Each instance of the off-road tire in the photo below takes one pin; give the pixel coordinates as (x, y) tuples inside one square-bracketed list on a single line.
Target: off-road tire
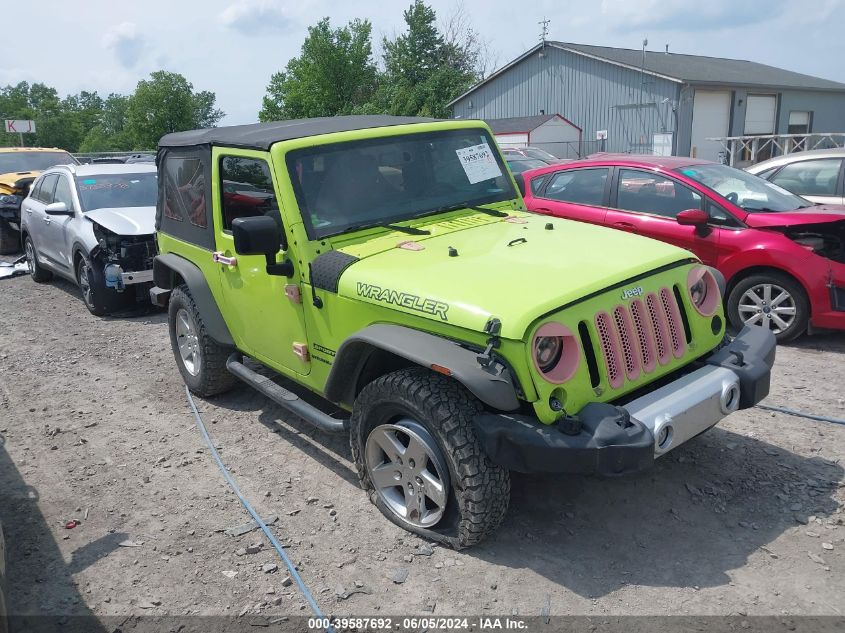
[(480, 489), (802, 305), (10, 240), (39, 275), (213, 377)]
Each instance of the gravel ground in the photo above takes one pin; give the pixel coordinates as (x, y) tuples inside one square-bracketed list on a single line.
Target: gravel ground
[(94, 426)]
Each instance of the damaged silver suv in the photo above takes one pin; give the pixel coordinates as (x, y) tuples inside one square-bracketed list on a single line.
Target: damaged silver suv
[(94, 225)]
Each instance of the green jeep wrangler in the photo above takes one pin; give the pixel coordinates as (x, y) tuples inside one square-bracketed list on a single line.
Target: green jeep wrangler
[(387, 266)]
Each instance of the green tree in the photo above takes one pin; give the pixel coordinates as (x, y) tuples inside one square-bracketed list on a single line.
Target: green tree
[(334, 74), (424, 68), (167, 103)]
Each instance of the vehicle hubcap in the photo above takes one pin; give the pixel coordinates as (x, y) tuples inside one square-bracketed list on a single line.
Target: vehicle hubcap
[(768, 305), (188, 342), (85, 282), (408, 472)]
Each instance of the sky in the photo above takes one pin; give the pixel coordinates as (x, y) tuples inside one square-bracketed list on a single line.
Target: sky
[(232, 47)]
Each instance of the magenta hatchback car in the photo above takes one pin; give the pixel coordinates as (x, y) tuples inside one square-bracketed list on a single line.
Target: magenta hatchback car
[(783, 257)]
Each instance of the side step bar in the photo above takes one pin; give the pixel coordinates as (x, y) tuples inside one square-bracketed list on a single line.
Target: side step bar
[(285, 398)]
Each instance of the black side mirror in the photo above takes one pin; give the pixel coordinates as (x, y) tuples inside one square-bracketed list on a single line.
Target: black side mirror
[(261, 235)]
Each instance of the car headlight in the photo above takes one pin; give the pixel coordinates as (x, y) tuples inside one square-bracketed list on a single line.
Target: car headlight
[(7, 200), (703, 290), (555, 352)]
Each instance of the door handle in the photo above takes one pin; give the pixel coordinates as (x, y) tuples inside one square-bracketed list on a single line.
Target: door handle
[(29, 211), (47, 220), (219, 258), (625, 226)]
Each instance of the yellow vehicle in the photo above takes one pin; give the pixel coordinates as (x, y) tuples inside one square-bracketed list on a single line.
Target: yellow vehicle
[(19, 167)]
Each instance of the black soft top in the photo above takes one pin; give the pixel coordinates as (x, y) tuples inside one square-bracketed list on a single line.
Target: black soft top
[(262, 135)]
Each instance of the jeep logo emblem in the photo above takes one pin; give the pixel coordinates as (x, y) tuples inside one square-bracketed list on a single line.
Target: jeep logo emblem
[(632, 292)]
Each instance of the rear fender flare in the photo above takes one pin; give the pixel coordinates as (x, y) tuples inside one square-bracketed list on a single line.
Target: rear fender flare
[(169, 268)]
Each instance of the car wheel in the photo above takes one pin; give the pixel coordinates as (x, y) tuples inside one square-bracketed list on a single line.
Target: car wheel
[(92, 286), (201, 359), (418, 458), (37, 273), (10, 240), (771, 300)]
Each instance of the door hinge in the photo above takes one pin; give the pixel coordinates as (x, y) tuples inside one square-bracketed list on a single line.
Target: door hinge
[(301, 350), (293, 293)]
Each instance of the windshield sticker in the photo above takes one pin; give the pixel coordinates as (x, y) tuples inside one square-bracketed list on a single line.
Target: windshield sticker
[(404, 300), (479, 163), (90, 181)]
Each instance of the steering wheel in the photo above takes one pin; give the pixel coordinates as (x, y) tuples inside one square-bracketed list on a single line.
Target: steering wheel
[(732, 197)]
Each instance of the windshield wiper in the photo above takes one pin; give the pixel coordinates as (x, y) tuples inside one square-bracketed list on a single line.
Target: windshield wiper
[(462, 205), (410, 230)]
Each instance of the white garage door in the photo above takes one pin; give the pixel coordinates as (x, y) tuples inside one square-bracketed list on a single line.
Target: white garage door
[(760, 114), (711, 116)]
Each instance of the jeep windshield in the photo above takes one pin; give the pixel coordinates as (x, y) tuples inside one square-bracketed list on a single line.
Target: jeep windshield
[(750, 192), (33, 161), (347, 186)]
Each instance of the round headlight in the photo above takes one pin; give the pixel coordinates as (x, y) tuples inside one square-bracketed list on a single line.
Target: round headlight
[(547, 352), (703, 290), (555, 352)]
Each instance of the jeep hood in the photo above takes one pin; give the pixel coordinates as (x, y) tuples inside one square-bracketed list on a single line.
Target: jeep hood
[(128, 221), (515, 271)]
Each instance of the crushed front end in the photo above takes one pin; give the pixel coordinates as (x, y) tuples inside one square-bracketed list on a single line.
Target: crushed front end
[(127, 261)]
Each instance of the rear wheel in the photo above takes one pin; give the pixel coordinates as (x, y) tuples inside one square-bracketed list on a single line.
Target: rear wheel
[(771, 300), (414, 445), (201, 359), (37, 273)]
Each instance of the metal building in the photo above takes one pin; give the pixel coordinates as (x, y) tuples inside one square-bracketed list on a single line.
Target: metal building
[(655, 102), (550, 132)]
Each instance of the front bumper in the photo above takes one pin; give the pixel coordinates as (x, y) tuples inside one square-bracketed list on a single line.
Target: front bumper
[(612, 440)]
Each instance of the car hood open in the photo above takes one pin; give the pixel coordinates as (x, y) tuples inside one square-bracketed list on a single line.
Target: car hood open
[(515, 270), (817, 214), (127, 221)]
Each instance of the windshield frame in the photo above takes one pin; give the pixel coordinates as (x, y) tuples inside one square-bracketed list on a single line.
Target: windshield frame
[(765, 185), (292, 155), (23, 154)]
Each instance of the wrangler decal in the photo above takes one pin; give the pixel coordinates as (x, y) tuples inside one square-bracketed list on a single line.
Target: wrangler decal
[(403, 299)]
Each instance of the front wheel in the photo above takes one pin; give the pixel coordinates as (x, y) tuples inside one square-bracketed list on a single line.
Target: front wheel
[(417, 456), (771, 300)]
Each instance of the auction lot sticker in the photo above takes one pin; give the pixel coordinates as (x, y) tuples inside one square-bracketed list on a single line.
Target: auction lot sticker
[(478, 163)]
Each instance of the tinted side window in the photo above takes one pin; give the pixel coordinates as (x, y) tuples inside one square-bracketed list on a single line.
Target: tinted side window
[(45, 192), (184, 199), (246, 189), (646, 192), (63, 192), (810, 177), (581, 186), (721, 217), (35, 191)]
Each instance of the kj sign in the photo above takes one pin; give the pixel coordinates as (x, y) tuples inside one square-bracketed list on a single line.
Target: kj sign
[(20, 126)]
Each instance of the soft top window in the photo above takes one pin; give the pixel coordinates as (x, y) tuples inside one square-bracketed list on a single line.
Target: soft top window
[(184, 195), (347, 186)]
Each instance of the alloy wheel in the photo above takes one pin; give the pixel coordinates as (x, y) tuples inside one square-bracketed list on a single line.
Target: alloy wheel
[(29, 251), (768, 305), (188, 342), (84, 279), (408, 472)]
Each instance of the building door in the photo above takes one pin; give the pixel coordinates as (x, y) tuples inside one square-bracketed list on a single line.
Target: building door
[(711, 117)]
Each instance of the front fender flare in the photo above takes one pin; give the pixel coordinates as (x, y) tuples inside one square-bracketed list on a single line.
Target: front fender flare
[(165, 269), (494, 387)]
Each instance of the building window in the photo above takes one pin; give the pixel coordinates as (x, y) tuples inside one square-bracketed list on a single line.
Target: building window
[(799, 122)]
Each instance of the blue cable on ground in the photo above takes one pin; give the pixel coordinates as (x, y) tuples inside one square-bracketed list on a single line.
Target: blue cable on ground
[(293, 573), (809, 416)]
